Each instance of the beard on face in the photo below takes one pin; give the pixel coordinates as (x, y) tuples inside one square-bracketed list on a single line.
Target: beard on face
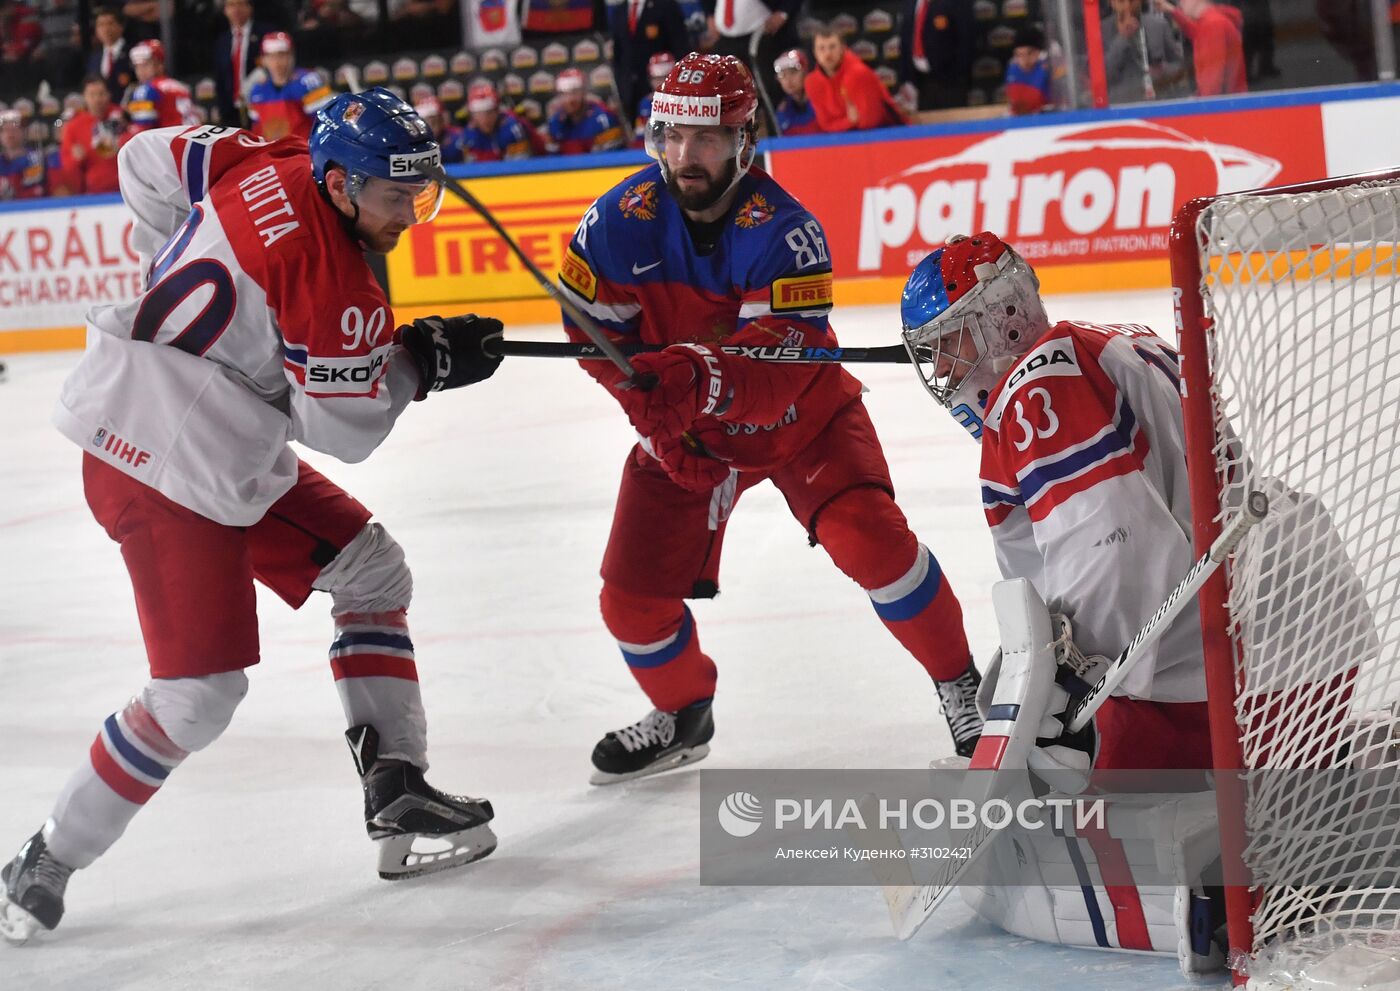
[(700, 197)]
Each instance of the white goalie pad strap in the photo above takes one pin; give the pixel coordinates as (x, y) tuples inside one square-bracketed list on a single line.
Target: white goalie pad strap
[(1159, 838), (1026, 683)]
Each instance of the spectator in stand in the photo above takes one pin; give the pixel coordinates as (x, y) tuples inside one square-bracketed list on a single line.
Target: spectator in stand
[(846, 94), (642, 29), (142, 21), (22, 173), (109, 57), (937, 40), (1129, 33), (795, 113), (21, 31), (450, 139), (235, 57), (1028, 74), (157, 100), (581, 124), (733, 23), (658, 69), (286, 101), (91, 140), (493, 134), (1217, 46)]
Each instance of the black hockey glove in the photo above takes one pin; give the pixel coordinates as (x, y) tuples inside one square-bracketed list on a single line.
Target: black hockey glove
[(451, 351)]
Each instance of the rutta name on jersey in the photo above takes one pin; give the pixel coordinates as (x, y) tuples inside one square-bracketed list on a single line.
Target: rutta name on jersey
[(268, 205)]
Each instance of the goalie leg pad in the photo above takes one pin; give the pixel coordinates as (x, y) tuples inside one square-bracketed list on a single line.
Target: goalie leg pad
[(1157, 840)]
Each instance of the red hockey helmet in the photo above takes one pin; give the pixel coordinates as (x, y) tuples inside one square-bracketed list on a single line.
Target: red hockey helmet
[(793, 58), (707, 91), (276, 42), (659, 66), (148, 51), (970, 310), (570, 81)]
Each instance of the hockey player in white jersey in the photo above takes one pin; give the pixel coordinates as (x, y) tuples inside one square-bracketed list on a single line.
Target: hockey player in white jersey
[(1083, 480), (261, 323)]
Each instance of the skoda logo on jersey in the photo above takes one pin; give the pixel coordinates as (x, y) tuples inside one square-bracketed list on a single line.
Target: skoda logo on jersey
[(409, 165), (740, 814)]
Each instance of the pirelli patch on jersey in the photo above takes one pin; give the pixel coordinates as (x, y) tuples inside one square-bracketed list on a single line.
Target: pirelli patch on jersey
[(575, 273), (801, 292)]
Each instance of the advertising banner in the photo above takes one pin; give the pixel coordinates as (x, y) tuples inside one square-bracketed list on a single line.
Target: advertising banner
[(54, 264), (458, 257), (1097, 191)]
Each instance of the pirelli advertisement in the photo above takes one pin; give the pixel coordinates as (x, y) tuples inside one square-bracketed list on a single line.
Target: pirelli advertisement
[(1073, 194)]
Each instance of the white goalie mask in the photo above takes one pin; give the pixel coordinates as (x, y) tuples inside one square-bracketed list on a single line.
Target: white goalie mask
[(970, 310)]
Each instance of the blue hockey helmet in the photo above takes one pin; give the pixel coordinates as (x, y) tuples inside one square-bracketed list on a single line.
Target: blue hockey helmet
[(375, 134), (970, 310)]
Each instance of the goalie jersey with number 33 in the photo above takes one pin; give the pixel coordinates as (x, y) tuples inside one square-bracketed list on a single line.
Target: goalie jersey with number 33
[(1084, 486)]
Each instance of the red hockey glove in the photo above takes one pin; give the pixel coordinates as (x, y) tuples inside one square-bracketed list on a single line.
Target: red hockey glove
[(697, 461), (674, 387)]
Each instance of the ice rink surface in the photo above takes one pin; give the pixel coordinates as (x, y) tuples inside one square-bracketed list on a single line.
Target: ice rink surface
[(251, 868)]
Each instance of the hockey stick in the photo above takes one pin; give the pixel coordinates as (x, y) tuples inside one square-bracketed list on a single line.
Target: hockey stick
[(755, 40), (911, 904), (894, 354), (600, 339)]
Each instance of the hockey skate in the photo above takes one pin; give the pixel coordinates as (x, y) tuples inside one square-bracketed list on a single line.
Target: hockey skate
[(418, 829), (31, 891), (659, 741), (959, 698)]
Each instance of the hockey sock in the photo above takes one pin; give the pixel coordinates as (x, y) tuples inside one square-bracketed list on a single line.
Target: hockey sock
[(375, 674), (658, 641), (869, 539), (127, 763)]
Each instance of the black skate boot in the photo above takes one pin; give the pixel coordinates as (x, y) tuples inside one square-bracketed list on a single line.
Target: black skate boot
[(959, 698), (32, 891), (658, 742), (419, 830)]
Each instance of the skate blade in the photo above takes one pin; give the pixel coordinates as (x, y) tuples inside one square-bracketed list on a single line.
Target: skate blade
[(678, 759), (17, 926), (413, 854)]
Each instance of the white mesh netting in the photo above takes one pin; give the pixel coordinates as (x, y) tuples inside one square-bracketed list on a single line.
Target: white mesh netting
[(1304, 293)]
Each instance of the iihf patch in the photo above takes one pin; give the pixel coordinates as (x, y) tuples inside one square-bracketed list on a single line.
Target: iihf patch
[(755, 211)]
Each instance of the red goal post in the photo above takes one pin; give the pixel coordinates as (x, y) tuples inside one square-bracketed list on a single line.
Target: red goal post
[(1288, 313)]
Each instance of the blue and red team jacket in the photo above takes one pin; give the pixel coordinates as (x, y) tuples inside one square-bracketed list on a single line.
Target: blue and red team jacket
[(634, 268), (277, 111), (1028, 92), (597, 130), (509, 139), (796, 120), (22, 177)]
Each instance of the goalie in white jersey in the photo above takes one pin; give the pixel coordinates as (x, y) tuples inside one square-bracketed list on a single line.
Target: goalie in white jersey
[(1084, 485), (260, 323)]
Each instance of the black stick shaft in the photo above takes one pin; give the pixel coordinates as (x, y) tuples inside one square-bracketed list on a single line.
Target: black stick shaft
[(892, 355)]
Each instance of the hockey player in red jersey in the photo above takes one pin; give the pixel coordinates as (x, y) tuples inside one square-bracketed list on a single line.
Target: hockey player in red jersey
[(260, 323), (157, 100), (697, 250), (1083, 476)]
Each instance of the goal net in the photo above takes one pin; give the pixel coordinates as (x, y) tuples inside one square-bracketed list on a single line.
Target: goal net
[(1289, 316)]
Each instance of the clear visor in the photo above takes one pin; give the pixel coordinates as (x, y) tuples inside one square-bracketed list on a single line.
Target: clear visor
[(678, 146), (946, 351), (407, 202)]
